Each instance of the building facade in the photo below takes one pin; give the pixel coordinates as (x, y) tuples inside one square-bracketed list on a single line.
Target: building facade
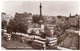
[(25, 18), (73, 20), (6, 17)]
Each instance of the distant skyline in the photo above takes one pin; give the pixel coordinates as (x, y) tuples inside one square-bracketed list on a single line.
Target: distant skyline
[(51, 8)]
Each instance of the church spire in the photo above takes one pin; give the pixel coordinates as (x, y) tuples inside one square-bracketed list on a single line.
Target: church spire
[(70, 15)]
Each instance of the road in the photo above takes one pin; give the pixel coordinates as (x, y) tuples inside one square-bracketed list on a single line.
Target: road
[(14, 44)]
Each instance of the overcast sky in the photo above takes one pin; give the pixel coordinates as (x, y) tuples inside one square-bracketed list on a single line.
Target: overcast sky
[(51, 8)]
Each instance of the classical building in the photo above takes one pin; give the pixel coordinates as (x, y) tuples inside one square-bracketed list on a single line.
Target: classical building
[(25, 18), (6, 17), (73, 20)]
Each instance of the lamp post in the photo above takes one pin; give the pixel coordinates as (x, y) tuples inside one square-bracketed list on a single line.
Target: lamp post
[(79, 32)]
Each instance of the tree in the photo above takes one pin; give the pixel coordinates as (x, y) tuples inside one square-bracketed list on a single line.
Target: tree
[(4, 24), (35, 18), (47, 31), (11, 26), (15, 26), (22, 28)]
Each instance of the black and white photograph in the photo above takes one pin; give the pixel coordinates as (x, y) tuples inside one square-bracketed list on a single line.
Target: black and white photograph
[(40, 25)]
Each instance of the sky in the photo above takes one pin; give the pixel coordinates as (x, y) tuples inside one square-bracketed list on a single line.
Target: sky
[(51, 8)]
